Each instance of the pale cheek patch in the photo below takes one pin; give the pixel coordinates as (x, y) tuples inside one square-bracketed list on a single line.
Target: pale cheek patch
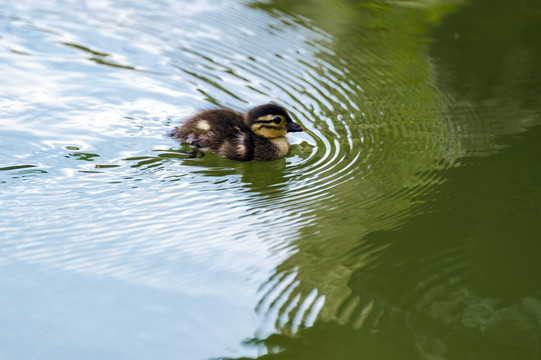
[(282, 144), (203, 125), (274, 132)]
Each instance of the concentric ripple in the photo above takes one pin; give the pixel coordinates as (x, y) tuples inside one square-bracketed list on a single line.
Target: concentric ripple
[(359, 117), (379, 134)]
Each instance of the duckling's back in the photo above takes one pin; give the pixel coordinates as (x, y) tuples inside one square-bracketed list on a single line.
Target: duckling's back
[(221, 131)]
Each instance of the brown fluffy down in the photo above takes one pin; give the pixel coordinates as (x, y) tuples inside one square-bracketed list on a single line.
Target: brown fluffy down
[(225, 132)]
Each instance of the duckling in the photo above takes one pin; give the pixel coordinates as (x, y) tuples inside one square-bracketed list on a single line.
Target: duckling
[(258, 135)]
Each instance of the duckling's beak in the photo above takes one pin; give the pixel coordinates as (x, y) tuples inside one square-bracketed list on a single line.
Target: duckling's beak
[(292, 127)]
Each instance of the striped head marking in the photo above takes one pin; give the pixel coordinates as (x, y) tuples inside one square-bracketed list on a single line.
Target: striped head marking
[(270, 121)]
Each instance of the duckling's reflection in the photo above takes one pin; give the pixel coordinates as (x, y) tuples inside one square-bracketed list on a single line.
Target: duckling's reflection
[(258, 178)]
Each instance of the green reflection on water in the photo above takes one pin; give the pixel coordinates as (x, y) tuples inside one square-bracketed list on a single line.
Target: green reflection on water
[(461, 279), (443, 262)]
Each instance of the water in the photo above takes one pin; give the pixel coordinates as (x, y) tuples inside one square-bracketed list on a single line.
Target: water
[(404, 224)]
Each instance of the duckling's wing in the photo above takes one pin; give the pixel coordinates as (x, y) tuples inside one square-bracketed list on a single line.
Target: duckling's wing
[(220, 131)]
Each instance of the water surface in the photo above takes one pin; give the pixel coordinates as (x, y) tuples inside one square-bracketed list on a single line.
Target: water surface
[(402, 225)]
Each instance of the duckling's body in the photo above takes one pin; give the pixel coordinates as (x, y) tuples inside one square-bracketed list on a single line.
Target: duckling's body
[(257, 135)]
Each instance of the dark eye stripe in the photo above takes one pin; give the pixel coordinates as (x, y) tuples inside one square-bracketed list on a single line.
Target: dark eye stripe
[(267, 127), (264, 121)]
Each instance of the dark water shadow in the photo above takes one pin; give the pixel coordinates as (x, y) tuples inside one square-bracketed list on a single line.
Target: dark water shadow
[(448, 284)]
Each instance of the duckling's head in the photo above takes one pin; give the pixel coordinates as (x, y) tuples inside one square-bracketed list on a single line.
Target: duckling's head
[(270, 121)]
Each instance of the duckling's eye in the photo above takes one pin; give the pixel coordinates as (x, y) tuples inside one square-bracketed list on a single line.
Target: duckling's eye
[(277, 120)]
